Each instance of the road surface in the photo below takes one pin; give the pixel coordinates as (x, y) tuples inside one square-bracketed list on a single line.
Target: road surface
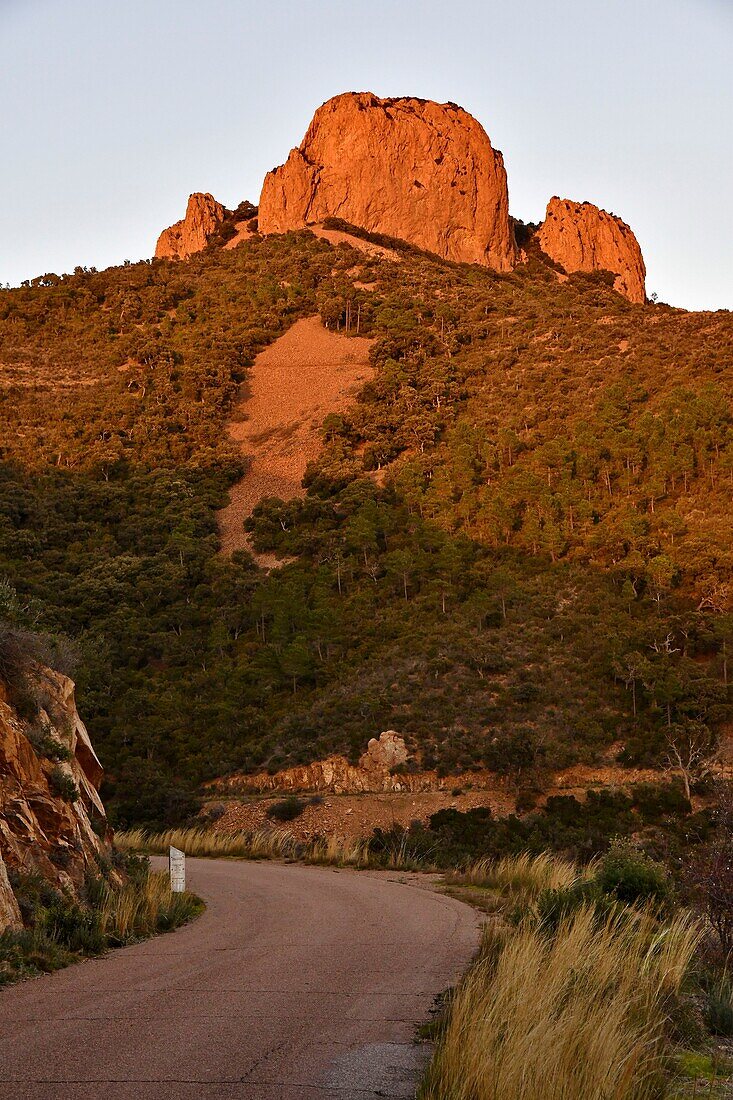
[(297, 983)]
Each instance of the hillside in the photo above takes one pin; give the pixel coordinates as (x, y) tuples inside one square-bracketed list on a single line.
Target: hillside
[(515, 547)]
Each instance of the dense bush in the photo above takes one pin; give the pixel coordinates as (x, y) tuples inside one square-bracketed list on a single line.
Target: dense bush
[(287, 809), (719, 1008), (633, 877), (579, 830)]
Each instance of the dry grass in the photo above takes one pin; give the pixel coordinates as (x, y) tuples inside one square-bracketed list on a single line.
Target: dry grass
[(262, 844), (523, 876), (267, 844), (144, 906), (577, 1015)]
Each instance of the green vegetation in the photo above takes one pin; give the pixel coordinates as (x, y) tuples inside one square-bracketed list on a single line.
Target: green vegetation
[(719, 1008), (111, 912), (287, 809), (656, 814), (63, 785), (515, 548), (595, 979)]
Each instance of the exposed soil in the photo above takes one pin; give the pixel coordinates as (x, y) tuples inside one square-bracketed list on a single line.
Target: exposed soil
[(293, 385), (244, 233), (353, 815), (337, 236)]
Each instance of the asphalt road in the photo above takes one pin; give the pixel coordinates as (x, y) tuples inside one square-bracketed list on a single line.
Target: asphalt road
[(297, 983)]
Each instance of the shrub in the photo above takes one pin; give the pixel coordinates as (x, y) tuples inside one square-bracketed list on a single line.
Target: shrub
[(629, 875), (62, 784), (654, 801), (552, 907), (45, 744), (287, 809), (74, 927), (719, 1009), (211, 814)]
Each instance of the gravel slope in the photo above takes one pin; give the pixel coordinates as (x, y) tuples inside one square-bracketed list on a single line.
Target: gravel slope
[(293, 385)]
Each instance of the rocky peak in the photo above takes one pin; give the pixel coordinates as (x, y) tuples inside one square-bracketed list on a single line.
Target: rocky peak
[(421, 171), (52, 821), (580, 237), (203, 217)]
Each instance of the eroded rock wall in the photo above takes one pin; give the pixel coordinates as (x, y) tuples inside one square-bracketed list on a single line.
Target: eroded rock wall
[(52, 821)]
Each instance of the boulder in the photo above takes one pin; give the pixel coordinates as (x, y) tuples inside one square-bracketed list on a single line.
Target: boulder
[(203, 217), (388, 752), (409, 168), (580, 237)]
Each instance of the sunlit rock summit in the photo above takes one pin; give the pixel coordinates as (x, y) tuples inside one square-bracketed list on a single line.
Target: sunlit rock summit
[(580, 237), (425, 173), (191, 234)]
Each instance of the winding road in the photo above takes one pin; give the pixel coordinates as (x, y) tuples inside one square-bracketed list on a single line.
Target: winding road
[(297, 983)]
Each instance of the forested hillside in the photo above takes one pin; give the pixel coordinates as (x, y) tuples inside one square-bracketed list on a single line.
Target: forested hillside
[(516, 550)]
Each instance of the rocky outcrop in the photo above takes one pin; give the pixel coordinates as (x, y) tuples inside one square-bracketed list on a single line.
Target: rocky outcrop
[(334, 774), (409, 168), (203, 217), (52, 821), (380, 768), (580, 237), (387, 751)]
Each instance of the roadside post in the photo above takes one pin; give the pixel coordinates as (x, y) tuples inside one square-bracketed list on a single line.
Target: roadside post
[(177, 870)]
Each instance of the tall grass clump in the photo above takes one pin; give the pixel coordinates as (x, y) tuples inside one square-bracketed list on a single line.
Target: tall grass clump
[(523, 875), (274, 844), (260, 844), (144, 906), (574, 1015)]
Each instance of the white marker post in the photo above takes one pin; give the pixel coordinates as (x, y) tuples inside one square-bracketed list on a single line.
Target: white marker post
[(177, 870)]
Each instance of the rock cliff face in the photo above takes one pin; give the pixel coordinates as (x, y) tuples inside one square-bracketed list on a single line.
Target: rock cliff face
[(425, 172), (52, 821), (580, 237), (203, 217)]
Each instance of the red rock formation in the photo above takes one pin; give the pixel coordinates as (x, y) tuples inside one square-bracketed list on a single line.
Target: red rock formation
[(581, 237), (204, 215), (42, 829), (425, 172)]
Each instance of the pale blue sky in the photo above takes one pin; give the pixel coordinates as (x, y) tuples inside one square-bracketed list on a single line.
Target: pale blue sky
[(114, 110)]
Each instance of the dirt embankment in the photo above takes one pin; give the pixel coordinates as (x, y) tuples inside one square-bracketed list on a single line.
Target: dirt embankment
[(351, 801), (292, 387)]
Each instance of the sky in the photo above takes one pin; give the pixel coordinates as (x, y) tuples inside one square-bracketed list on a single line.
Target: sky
[(113, 112)]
